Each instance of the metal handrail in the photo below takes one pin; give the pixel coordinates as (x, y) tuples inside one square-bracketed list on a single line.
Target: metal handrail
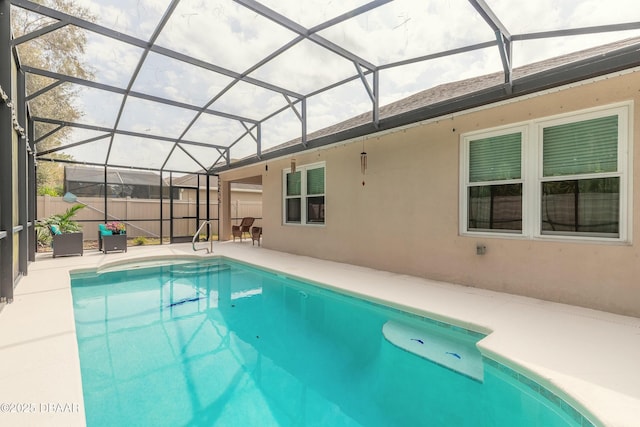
[(193, 241)]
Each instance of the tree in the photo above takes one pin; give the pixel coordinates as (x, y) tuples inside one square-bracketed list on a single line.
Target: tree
[(60, 51)]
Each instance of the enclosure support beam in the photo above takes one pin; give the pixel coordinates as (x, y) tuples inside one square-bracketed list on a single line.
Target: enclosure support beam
[(106, 189), (161, 206), (311, 34), (578, 31), (42, 31), (48, 134), (139, 95), (303, 119), (197, 201), (301, 115), (191, 156), (44, 90), (121, 132), (376, 99), (172, 199), (502, 36), (6, 158), (208, 209), (259, 141), (33, 213), (505, 46), (23, 178), (75, 144), (224, 201), (373, 92)]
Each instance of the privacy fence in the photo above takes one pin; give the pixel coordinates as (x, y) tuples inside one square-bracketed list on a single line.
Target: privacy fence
[(145, 217)]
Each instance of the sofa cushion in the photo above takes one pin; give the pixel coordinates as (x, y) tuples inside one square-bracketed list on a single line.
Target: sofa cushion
[(104, 231)]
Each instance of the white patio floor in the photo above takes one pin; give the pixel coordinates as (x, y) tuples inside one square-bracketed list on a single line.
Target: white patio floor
[(590, 358)]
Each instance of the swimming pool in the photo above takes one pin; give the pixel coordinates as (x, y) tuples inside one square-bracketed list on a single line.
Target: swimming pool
[(223, 343)]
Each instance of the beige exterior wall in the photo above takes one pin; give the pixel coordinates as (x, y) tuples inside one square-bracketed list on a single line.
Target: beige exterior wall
[(405, 218)]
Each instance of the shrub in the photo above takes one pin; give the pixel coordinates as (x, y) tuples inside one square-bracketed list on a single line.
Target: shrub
[(50, 191), (140, 241)]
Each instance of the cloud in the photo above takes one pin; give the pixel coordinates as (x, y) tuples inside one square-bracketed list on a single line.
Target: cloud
[(113, 62), (250, 101), (223, 33), (215, 130), (310, 13), (139, 152), (152, 118), (305, 68), (136, 18), (178, 81)]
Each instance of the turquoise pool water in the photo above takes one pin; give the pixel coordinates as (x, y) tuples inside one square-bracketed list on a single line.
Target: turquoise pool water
[(225, 344)]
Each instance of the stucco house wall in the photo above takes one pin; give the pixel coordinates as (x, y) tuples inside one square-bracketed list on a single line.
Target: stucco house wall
[(405, 218)]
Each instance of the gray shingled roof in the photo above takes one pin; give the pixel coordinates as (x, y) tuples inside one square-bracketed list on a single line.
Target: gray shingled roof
[(461, 88), (79, 173)]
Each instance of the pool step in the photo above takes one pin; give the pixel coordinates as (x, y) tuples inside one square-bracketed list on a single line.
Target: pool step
[(445, 348), (198, 269)]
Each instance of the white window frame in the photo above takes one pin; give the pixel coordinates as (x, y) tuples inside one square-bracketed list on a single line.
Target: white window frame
[(464, 193), (303, 194), (532, 174)]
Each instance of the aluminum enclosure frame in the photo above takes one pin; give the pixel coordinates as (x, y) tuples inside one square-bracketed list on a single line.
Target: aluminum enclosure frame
[(295, 101)]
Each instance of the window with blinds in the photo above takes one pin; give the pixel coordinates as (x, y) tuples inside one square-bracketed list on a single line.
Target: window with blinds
[(304, 195), (294, 184), (555, 177), (580, 183), (315, 195), (495, 158), (589, 146), (293, 198), (494, 194)]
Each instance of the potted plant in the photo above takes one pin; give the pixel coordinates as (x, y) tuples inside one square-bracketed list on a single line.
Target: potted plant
[(117, 227), (64, 222)]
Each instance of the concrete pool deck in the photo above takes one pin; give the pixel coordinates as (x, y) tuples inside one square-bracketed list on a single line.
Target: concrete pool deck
[(589, 358)]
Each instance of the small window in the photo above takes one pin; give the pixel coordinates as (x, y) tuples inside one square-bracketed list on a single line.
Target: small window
[(494, 188), (293, 207), (304, 190), (315, 195)]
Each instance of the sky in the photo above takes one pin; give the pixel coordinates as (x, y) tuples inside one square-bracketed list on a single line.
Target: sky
[(233, 37)]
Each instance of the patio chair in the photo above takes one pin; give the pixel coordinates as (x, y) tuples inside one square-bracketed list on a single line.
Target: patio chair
[(244, 227), (65, 244)]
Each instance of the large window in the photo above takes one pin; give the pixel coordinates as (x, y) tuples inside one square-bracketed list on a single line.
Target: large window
[(550, 178), (580, 178), (304, 192)]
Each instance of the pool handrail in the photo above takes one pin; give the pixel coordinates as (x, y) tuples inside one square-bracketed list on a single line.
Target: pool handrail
[(195, 236)]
